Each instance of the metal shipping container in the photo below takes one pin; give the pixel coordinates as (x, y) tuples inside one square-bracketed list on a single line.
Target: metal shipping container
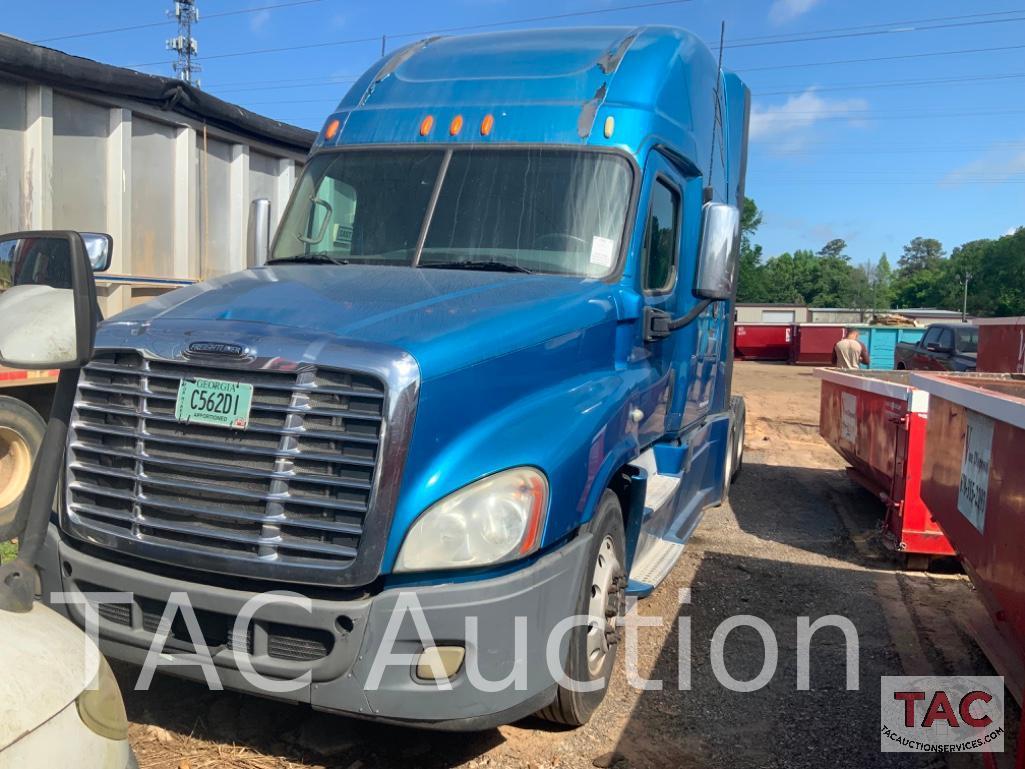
[(763, 341), (881, 342), (166, 169), (814, 343), (1001, 345), (877, 422), (973, 481)]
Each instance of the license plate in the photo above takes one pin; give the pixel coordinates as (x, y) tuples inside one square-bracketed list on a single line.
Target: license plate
[(214, 402)]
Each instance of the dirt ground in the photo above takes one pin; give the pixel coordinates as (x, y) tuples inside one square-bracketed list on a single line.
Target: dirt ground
[(797, 539)]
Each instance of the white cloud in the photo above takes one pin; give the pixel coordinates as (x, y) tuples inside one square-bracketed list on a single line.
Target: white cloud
[(994, 165), (790, 124), (782, 11), (259, 20)]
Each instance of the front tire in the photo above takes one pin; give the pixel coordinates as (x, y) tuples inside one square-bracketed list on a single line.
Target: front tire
[(21, 434), (739, 409), (592, 649)]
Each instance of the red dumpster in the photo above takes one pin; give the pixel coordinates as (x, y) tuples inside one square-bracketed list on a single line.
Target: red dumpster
[(814, 343), (1001, 344), (974, 483), (876, 421), (763, 341)]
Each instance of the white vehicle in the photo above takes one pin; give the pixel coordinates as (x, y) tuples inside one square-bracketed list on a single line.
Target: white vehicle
[(54, 712), (60, 705)]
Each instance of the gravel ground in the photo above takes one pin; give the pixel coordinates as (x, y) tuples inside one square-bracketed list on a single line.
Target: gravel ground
[(797, 539)]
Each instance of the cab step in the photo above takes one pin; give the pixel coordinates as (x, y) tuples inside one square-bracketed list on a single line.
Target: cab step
[(654, 566), (661, 489), (659, 556)]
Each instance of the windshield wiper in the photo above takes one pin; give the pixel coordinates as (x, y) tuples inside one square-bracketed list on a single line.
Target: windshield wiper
[(314, 257), (471, 264)]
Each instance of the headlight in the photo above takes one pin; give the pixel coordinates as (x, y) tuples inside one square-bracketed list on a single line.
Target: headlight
[(495, 519), (101, 708)]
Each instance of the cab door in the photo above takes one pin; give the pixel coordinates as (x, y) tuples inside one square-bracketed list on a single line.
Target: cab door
[(658, 269), (923, 356)]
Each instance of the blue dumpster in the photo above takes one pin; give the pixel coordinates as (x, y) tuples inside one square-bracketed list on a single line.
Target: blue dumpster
[(882, 341)]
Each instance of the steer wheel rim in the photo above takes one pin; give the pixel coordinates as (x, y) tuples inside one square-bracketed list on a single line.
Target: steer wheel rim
[(15, 465), (603, 607)]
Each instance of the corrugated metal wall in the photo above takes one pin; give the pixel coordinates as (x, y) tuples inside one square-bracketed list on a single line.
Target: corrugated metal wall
[(173, 193)]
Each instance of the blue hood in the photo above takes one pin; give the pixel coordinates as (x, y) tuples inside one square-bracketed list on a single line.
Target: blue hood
[(446, 319)]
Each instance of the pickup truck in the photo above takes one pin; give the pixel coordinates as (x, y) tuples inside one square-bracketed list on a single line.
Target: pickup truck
[(943, 347), (408, 468)]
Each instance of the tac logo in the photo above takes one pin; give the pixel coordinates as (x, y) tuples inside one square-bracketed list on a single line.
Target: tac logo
[(949, 714)]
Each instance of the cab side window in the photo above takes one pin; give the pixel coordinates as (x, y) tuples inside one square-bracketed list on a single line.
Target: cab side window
[(661, 238), (932, 336)]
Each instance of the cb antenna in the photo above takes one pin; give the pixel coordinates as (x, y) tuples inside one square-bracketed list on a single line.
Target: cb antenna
[(717, 115), (184, 44)]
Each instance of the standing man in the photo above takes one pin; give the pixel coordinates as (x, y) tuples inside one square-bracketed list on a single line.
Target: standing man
[(849, 352)]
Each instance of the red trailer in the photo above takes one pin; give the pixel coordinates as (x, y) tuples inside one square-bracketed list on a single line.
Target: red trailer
[(974, 483), (1001, 345), (763, 341), (814, 343), (877, 421)]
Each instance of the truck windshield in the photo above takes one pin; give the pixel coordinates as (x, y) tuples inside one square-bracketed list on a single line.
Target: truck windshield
[(532, 209)]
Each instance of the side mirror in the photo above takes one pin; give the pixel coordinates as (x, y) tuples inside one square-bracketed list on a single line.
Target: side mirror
[(100, 247), (258, 236), (720, 236), (47, 300)]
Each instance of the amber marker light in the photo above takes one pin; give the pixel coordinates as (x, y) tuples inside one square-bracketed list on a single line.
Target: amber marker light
[(539, 496), (456, 125), (486, 125), (426, 125), (331, 129), (610, 126)]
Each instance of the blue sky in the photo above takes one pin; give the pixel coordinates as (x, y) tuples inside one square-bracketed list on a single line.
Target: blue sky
[(875, 152)]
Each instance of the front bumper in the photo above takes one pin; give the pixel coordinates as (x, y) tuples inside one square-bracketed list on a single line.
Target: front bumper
[(544, 593)]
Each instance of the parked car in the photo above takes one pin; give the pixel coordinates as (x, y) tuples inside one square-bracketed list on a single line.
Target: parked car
[(943, 347), (54, 712), (60, 705)]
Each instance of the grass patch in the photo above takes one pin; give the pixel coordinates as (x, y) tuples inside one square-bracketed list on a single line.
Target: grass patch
[(8, 551)]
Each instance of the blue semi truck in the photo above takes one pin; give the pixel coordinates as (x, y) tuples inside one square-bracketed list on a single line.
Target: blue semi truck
[(484, 374)]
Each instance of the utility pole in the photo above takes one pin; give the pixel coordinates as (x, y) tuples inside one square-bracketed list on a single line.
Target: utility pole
[(184, 44), (964, 305)]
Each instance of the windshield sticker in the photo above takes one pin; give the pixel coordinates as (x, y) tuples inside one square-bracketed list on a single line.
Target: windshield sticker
[(602, 250)]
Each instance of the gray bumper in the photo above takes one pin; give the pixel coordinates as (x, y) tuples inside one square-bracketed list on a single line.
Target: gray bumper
[(544, 593)]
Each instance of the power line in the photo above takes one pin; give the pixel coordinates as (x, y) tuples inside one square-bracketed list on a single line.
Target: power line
[(317, 84), (293, 81), (260, 85), (895, 84), (946, 181), (884, 28), (782, 35), (802, 65), (150, 25), (464, 28)]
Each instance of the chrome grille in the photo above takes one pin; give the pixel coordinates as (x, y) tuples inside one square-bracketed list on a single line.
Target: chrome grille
[(293, 488)]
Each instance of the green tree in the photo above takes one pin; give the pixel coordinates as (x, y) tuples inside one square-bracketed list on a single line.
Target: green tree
[(920, 254), (882, 284), (860, 291), (835, 249), (750, 278), (832, 286)]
